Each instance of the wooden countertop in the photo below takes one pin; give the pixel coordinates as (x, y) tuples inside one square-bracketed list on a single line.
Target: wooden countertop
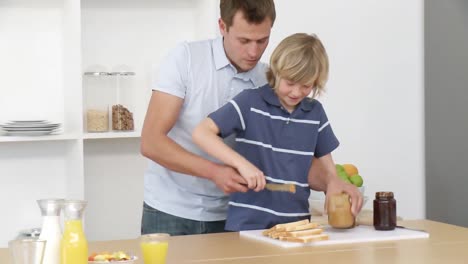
[(447, 244)]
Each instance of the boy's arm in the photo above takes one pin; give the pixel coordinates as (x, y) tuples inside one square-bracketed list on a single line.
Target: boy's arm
[(206, 137), (162, 113), (322, 177)]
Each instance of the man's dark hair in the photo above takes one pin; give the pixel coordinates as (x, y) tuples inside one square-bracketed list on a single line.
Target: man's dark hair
[(254, 11)]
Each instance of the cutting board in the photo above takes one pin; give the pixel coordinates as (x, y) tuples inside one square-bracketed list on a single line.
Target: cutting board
[(358, 234)]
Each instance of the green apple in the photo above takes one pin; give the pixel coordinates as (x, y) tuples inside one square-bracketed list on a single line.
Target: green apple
[(357, 180), (339, 168), (342, 174)]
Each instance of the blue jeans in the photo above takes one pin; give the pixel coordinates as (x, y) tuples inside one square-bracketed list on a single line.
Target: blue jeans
[(155, 221)]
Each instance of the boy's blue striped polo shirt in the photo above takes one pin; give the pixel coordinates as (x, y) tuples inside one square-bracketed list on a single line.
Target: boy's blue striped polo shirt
[(279, 143)]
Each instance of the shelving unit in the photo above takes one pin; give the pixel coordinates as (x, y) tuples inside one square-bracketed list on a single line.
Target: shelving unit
[(45, 48), (131, 134)]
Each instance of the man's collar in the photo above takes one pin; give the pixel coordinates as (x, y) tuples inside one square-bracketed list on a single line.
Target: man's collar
[(256, 75), (220, 57)]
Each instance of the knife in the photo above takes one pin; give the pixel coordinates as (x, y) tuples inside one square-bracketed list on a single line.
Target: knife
[(278, 187), (412, 229)]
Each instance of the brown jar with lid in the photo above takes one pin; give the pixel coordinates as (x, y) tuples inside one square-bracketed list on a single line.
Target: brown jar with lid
[(339, 212), (384, 211)]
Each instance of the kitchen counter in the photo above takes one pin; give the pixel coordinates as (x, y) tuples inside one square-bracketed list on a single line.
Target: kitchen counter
[(446, 244)]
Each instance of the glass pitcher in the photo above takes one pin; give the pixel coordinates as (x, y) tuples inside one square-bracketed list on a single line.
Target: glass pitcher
[(51, 231), (74, 246)]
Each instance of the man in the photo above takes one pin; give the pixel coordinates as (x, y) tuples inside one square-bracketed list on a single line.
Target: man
[(185, 190)]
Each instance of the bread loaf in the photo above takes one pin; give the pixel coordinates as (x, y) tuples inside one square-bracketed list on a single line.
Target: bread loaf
[(300, 231), (305, 239)]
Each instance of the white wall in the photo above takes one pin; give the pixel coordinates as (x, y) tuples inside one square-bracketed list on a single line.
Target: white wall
[(31, 63), (114, 192), (375, 91)]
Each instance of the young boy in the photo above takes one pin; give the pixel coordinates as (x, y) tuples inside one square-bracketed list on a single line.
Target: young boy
[(279, 130)]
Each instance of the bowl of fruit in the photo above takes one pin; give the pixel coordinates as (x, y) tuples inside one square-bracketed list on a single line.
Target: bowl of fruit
[(348, 173), (118, 257)]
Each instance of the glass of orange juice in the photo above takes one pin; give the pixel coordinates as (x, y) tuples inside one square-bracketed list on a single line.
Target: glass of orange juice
[(154, 248)]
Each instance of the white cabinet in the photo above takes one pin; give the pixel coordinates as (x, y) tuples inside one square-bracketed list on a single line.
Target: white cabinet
[(45, 46)]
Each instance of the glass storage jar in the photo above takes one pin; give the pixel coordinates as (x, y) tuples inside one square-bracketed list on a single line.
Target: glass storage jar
[(385, 216), (97, 95), (339, 211), (122, 108)]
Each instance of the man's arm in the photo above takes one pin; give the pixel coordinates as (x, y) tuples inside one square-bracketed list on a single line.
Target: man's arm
[(322, 177), (163, 112), (205, 135)]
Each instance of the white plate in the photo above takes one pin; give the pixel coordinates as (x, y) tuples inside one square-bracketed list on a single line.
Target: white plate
[(16, 123), (28, 133), (27, 121), (29, 125), (29, 128)]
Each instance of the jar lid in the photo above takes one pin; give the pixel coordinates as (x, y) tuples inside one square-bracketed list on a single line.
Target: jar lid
[(384, 195), (33, 232)]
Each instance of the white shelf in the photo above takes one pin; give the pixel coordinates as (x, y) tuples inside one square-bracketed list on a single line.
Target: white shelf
[(104, 135), (68, 136), (71, 136)]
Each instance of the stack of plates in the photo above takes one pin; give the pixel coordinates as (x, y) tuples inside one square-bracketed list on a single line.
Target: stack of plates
[(29, 127)]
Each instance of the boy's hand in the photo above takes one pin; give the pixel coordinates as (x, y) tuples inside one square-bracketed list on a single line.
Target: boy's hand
[(253, 176), (229, 181), (338, 186)]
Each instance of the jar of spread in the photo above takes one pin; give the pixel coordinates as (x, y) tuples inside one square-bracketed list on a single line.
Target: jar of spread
[(339, 212), (384, 211)]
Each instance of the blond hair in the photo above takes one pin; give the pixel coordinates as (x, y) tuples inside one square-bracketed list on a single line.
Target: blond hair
[(300, 58)]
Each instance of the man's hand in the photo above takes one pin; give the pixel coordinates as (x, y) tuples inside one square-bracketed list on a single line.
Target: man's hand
[(337, 186), (228, 180)]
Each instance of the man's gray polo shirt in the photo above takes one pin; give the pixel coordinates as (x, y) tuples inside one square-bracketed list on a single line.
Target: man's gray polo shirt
[(201, 74), (279, 143)]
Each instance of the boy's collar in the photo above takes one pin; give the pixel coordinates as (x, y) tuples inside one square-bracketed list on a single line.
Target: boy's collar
[(270, 97)]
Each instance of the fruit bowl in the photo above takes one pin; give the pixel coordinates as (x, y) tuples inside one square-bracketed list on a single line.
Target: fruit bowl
[(118, 257), (129, 261)]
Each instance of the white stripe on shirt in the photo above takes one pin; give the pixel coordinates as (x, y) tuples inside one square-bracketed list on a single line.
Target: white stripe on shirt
[(286, 182), (255, 110), (324, 126), (239, 113), (267, 210), (258, 143)]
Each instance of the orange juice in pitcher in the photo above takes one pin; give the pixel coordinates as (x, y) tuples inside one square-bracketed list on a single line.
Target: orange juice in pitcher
[(74, 246)]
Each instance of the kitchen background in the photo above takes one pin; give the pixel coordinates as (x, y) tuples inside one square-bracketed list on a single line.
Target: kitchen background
[(376, 98)]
